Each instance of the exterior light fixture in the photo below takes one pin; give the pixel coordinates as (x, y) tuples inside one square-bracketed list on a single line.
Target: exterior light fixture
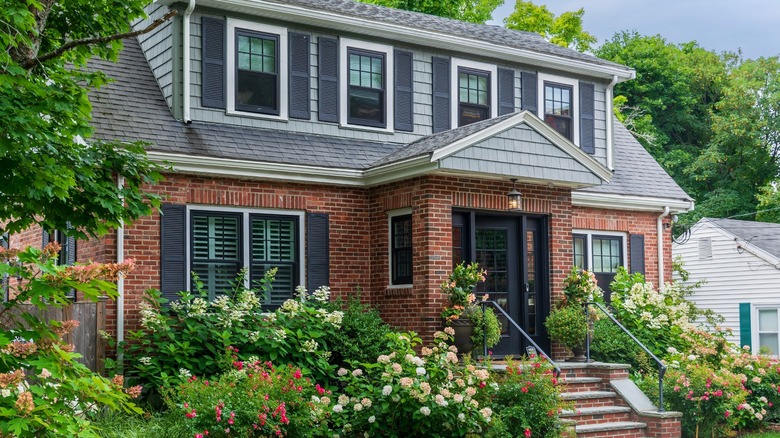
[(514, 196)]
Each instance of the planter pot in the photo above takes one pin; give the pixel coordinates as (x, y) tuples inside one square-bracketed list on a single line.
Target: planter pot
[(579, 355), (462, 339)]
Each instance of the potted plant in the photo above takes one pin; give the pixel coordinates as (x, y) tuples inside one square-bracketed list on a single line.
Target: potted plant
[(568, 325), (464, 312)]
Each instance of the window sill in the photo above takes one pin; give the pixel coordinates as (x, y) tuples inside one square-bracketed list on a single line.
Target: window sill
[(239, 113), (366, 128), (399, 290)]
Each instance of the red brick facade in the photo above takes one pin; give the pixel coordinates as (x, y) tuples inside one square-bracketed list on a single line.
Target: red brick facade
[(359, 255)]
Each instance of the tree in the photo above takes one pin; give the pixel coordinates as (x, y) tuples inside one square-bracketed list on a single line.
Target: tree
[(564, 30), (475, 11), (51, 172)]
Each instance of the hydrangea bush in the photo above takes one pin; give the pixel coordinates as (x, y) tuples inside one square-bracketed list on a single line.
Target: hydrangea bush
[(44, 390)]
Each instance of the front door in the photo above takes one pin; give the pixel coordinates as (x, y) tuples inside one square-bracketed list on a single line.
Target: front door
[(511, 249)]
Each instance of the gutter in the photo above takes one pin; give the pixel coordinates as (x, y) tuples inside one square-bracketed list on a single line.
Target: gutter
[(120, 282), (660, 232), (610, 121), (186, 62)]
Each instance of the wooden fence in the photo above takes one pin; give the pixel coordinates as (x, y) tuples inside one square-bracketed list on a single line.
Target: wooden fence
[(86, 337)]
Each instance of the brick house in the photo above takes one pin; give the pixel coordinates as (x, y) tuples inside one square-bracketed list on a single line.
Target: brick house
[(372, 149)]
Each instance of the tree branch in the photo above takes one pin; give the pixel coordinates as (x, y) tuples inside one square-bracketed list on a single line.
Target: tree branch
[(97, 40)]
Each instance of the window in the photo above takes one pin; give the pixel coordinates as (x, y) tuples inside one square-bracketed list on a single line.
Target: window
[(768, 328), (473, 96), (219, 250), (257, 72), (600, 252), (558, 108), (257, 79), (366, 100), (401, 249)]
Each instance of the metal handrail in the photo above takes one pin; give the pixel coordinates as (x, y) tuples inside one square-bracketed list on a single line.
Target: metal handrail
[(661, 365), (539, 350)]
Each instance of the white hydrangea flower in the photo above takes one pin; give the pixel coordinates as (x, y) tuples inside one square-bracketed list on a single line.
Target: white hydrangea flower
[(425, 410), (387, 390), (146, 360)]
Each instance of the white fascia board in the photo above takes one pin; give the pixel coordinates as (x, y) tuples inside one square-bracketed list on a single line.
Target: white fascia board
[(537, 125), (191, 164), (412, 35), (629, 202), (400, 170)]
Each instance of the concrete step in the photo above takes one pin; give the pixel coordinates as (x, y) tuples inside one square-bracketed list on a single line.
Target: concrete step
[(623, 429), (598, 414)]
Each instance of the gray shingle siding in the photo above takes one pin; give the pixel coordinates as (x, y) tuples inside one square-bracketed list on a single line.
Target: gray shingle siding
[(157, 46)]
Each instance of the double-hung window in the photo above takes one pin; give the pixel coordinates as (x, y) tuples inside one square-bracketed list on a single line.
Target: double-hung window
[(401, 249), (602, 253), (366, 88), (473, 96), (558, 108), (257, 72), (223, 243)]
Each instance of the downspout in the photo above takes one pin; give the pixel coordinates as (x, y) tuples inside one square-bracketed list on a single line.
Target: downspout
[(610, 116), (186, 62), (120, 282), (660, 231)]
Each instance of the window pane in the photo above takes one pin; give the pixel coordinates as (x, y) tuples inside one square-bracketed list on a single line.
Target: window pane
[(275, 244), (269, 48), (482, 83), (376, 81), (548, 93), (768, 341), (243, 61), (215, 250), (464, 80), (366, 104), (470, 114), (256, 90), (243, 44), (401, 249), (354, 62), (376, 65), (767, 320)]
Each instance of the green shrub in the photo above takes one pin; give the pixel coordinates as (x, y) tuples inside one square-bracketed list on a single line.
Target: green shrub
[(611, 344), (485, 322), (363, 334), (568, 325)]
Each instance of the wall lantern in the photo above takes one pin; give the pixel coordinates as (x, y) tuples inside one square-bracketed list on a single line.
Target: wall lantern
[(514, 196)]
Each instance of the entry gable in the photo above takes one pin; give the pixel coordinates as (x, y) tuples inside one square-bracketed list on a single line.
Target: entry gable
[(524, 147)]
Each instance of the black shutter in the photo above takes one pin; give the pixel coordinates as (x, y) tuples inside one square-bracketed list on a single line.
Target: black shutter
[(587, 122), (528, 92), (441, 94), (317, 251), (4, 238), (404, 87), (173, 270), (214, 42), (637, 244), (300, 95), (329, 79), (506, 91), (70, 250), (45, 238)]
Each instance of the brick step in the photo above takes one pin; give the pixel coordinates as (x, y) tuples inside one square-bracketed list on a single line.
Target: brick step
[(623, 429), (599, 414), (607, 371), (579, 384), (590, 399)]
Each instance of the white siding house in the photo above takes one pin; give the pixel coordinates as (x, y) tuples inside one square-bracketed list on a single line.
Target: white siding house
[(740, 262)]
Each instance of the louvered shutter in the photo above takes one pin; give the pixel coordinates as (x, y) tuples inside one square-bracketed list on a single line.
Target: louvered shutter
[(214, 42), (173, 272), (216, 250), (506, 91), (637, 242), (587, 118), (275, 245), (745, 334), (45, 238), (328, 101), (528, 92), (317, 250), (404, 97), (441, 94), (300, 95)]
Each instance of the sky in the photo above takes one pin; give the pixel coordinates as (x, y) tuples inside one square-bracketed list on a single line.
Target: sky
[(719, 25)]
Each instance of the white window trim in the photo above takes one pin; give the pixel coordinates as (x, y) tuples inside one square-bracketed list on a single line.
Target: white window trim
[(245, 255), (232, 25), (457, 63), (344, 45), (390, 215), (575, 100), (589, 244), (754, 338)]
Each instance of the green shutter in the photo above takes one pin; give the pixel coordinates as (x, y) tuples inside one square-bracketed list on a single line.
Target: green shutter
[(745, 334)]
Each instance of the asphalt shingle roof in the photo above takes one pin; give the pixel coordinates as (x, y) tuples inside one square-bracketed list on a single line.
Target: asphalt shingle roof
[(132, 108), (764, 235), (488, 33), (636, 171)]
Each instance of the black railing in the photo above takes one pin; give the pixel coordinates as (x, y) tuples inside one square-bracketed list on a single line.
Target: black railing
[(661, 365), (539, 350)]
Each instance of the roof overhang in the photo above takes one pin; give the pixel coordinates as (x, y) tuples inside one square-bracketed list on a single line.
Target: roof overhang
[(611, 201), (413, 35), (739, 242)]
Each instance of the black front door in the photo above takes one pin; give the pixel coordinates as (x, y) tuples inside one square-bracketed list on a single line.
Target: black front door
[(511, 249)]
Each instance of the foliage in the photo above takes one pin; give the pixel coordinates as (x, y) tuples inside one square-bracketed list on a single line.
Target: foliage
[(475, 11), (459, 289), (410, 395), (485, 322), (564, 30), (48, 172), (198, 337), (363, 334), (580, 286), (568, 325), (43, 389), (611, 344), (254, 399), (527, 400)]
